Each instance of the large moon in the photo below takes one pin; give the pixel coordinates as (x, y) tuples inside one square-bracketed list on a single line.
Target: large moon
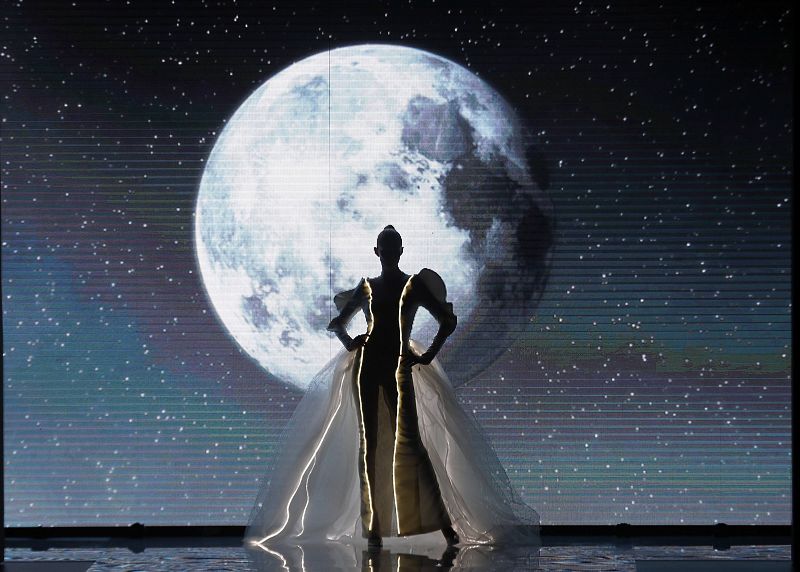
[(322, 156)]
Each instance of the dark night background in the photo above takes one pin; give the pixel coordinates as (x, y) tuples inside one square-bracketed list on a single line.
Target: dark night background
[(654, 383)]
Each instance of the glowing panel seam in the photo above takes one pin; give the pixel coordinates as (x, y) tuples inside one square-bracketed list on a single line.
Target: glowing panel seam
[(399, 400), (361, 406)]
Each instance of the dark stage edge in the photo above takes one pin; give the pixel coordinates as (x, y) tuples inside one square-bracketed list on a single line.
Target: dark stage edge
[(621, 548), (331, 557), (719, 536)]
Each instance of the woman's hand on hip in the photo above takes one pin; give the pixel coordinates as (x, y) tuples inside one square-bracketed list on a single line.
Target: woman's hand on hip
[(412, 358), (358, 342)]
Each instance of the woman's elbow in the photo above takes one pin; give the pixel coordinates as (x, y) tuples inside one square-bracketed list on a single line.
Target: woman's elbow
[(450, 324)]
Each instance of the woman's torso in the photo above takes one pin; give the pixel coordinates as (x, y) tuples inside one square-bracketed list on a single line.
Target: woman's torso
[(384, 315)]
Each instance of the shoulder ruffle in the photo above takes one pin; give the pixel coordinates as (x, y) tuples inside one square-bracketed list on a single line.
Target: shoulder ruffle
[(343, 298), (434, 283)]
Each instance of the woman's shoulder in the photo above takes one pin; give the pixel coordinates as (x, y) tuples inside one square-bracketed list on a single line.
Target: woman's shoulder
[(428, 274), (344, 297), (432, 282)]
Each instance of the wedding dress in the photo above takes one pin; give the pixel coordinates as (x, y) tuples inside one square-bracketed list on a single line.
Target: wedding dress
[(379, 445)]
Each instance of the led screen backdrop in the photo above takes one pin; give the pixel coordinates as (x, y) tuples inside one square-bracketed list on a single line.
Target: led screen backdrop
[(605, 188)]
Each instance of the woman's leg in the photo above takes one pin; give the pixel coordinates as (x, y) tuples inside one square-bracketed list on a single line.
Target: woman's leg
[(376, 450), (366, 394), (420, 507)]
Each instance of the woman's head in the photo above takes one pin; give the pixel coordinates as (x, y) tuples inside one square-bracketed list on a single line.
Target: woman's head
[(389, 245)]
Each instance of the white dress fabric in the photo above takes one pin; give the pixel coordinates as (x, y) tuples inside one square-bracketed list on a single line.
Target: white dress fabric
[(311, 490)]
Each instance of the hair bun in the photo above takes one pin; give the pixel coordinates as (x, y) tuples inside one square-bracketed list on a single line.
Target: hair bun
[(388, 227)]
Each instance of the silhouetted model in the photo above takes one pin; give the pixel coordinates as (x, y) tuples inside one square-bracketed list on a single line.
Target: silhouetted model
[(385, 390), (379, 446)]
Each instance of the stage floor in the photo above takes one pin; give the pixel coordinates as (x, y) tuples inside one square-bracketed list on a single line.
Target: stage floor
[(334, 556)]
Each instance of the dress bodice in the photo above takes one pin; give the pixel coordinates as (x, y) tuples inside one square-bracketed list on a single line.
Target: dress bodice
[(383, 310), (391, 306)]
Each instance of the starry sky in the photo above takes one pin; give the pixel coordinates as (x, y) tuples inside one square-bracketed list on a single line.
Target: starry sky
[(653, 385)]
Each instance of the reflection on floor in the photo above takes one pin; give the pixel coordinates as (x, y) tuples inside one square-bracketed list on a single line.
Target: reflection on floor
[(404, 557), (66, 566)]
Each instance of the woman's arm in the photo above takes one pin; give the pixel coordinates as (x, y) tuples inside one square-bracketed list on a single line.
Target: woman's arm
[(348, 303), (446, 327), (432, 297)]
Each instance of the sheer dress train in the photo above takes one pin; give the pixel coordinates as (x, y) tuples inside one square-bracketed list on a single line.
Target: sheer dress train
[(379, 446)]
